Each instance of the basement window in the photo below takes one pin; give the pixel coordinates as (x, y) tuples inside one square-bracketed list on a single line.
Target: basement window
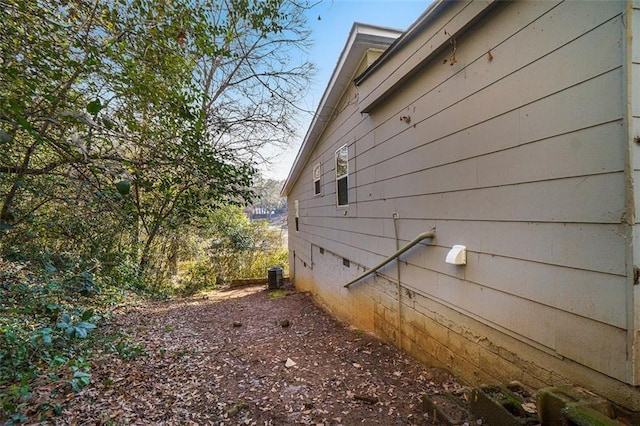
[(342, 175), (317, 173), (346, 262)]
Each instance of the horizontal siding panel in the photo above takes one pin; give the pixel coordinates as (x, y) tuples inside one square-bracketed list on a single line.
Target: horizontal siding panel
[(355, 255), (635, 91), (581, 153), (636, 183), (365, 226), (600, 297), (301, 248), (471, 96), (584, 293), (635, 52), (589, 199), (523, 317), (555, 115), (635, 131), (328, 211), (590, 151), (336, 134), (369, 188), (583, 340), (593, 247), (588, 294), (561, 244), (372, 247), (365, 143), (390, 73), (593, 344)]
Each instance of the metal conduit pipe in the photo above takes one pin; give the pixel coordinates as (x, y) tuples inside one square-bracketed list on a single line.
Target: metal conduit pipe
[(396, 216), (416, 240)]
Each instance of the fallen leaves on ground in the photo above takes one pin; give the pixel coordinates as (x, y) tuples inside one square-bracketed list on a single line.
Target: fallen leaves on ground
[(240, 357)]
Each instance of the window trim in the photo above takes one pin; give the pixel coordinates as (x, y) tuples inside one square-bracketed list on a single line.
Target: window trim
[(344, 148), (317, 178)]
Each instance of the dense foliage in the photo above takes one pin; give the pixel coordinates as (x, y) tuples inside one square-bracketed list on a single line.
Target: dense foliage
[(121, 121), (50, 311), (232, 247), (127, 128)]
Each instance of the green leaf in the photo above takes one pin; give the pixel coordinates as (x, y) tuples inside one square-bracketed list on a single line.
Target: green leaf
[(81, 375), (86, 325), (80, 379), (94, 107), (50, 268), (123, 187), (5, 137), (87, 315)]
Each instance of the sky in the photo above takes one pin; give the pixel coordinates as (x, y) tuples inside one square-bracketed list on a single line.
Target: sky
[(329, 35)]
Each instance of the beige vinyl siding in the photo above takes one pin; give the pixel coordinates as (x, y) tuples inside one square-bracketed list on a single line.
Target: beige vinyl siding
[(518, 139), (519, 155), (512, 157), (633, 111), (634, 98), (460, 15)]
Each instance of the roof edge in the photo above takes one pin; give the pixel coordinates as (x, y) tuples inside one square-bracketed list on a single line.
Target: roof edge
[(422, 21), (367, 35)]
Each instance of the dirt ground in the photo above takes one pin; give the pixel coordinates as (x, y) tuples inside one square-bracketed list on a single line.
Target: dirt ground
[(255, 357)]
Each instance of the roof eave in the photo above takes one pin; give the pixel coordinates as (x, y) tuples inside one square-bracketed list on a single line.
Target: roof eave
[(361, 37), (422, 21)]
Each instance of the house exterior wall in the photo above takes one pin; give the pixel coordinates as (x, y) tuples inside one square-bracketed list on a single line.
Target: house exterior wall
[(518, 147), (632, 99)]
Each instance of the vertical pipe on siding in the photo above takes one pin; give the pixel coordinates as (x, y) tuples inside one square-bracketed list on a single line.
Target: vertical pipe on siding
[(398, 286)]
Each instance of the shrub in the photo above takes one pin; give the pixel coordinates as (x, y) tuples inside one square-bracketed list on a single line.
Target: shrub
[(50, 311)]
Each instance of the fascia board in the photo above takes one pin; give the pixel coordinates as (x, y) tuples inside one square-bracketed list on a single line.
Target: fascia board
[(425, 39), (361, 37)]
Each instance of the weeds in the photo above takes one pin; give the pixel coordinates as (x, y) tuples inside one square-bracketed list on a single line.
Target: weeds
[(278, 294)]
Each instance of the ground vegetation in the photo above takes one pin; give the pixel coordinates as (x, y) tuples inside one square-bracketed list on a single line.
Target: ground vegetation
[(127, 128)]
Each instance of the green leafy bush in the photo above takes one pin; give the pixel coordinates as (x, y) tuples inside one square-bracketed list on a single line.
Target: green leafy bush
[(76, 328), (225, 247), (50, 312), (242, 248)]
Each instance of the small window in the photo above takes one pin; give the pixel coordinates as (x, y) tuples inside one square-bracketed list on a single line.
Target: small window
[(342, 174), (346, 262), (317, 173), (321, 250), (297, 211)]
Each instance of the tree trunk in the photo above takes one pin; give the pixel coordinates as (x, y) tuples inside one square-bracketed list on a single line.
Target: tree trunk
[(6, 216), (146, 251)]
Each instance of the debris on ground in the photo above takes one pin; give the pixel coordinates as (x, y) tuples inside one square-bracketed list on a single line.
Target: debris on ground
[(197, 370)]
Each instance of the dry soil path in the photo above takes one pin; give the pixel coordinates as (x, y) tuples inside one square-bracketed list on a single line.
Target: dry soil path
[(254, 357)]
